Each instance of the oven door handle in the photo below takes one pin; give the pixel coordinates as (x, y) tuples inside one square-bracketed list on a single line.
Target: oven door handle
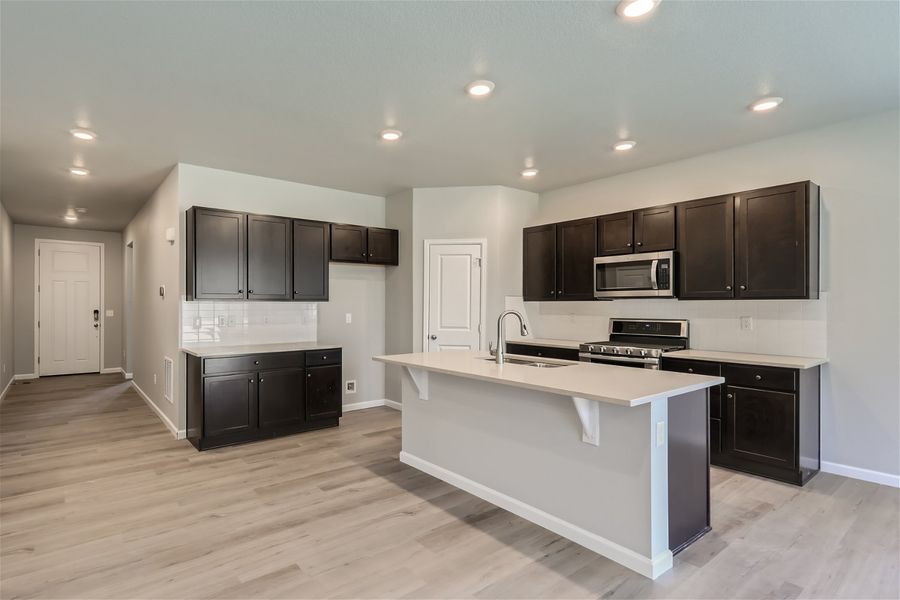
[(623, 359), (654, 267)]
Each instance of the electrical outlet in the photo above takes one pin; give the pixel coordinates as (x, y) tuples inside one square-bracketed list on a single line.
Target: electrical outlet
[(348, 318), (154, 379), (350, 386), (197, 322), (746, 323), (232, 320), (660, 433), (220, 319)]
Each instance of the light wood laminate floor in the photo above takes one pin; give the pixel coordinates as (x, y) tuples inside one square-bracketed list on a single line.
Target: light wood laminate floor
[(97, 500)]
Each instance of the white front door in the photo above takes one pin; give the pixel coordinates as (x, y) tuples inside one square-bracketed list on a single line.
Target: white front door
[(68, 308), (454, 282)]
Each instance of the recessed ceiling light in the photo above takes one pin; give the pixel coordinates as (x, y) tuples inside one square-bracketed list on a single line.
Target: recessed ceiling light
[(480, 88), (624, 145), (530, 172), (632, 9), (391, 135), (83, 134), (70, 218), (764, 104), (79, 171)]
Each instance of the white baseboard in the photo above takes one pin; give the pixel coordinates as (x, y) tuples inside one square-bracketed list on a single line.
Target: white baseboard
[(371, 404), (127, 374), (6, 389), (107, 370), (179, 434), (863, 474), (24, 376), (646, 566), (363, 405)]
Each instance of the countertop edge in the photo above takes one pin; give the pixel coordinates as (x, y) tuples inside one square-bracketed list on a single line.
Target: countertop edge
[(748, 358), (547, 343), (710, 382), (241, 350)]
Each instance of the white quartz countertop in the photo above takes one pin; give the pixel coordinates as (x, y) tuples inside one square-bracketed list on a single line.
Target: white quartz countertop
[(762, 360), (570, 344), (208, 349), (625, 386)]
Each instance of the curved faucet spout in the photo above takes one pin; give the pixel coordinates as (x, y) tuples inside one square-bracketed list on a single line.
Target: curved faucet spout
[(501, 334)]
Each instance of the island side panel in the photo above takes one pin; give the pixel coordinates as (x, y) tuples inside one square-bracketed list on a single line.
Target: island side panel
[(527, 445), (688, 490)]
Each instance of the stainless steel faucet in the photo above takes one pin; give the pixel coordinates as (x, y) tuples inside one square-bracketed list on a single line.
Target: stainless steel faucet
[(501, 341)]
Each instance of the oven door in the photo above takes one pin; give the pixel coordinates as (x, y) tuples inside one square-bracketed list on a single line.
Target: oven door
[(633, 275), (621, 361)]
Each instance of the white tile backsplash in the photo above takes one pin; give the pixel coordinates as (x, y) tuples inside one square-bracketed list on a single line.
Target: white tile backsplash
[(786, 327), (249, 322)]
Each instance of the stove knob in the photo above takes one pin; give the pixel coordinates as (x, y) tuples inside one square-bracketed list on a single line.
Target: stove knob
[(627, 350), (615, 350), (602, 349), (643, 353)]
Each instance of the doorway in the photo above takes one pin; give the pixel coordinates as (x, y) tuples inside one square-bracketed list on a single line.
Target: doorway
[(454, 299), (68, 307)]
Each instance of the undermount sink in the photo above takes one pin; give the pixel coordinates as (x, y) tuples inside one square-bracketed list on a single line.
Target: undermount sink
[(529, 363)]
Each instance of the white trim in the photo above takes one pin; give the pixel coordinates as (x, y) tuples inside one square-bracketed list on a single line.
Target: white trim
[(37, 298), (393, 404), (127, 374), (860, 473), (426, 284), (25, 376), (108, 370), (363, 405), (6, 389), (646, 566), (178, 433)]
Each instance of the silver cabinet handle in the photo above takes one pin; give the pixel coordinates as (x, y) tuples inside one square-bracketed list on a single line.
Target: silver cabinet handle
[(261, 379), (552, 292), (250, 380), (758, 377), (324, 357), (728, 287), (690, 370), (640, 243), (730, 396), (628, 244), (309, 375), (743, 287)]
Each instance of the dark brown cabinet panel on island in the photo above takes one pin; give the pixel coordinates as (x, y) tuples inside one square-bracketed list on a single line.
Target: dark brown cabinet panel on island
[(237, 399), (269, 258), (539, 263), (216, 254)]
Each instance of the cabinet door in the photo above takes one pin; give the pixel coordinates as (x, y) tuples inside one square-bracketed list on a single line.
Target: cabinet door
[(311, 246), (323, 392), (281, 398), (772, 242), (219, 252), (760, 426), (268, 258), (615, 234), (383, 246), (539, 263), (229, 404), (654, 229), (706, 248), (348, 243), (576, 244)]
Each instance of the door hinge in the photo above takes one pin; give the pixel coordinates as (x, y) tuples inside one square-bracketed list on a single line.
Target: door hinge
[(39, 324), (477, 261), (39, 288), (39, 360)]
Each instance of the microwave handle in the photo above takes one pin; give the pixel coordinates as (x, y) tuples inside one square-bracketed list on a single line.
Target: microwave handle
[(654, 267)]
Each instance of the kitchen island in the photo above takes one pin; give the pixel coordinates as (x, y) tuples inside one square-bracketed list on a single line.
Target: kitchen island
[(612, 458)]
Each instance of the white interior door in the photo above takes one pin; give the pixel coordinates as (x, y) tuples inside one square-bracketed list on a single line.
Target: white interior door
[(454, 306), (69, 308)]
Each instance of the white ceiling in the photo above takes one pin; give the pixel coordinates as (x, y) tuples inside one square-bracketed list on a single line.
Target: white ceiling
[(299, 90)]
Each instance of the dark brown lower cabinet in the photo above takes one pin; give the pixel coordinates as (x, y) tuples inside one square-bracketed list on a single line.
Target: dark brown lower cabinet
[(268, 395), (542, 351), (768, 418)]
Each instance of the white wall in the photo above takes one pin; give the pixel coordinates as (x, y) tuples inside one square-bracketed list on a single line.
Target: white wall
[(156, 320), (24, 289), (856, 165), (355, 289), (7, 351), (398, 334)]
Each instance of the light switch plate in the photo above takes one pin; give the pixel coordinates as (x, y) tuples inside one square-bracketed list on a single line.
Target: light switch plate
[(660, 433), (110, 312), (348, 318)]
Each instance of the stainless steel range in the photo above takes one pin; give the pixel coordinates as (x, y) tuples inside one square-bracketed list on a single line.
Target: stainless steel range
[(637, 342)]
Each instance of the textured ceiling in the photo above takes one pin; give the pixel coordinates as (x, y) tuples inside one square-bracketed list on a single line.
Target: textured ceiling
[(299, 90)]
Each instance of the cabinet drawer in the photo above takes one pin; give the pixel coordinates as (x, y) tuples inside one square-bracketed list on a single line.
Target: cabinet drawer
[(331, 356), (542, 351), (697, 367), (252, 362), (771, 378)]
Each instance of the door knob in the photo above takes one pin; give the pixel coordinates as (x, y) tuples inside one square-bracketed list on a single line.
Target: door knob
[(432, 337)]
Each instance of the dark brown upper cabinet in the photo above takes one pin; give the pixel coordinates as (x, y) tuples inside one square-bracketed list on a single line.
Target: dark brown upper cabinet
[(539, 263), (349, 243), (654, 229), (777, 245), (269, 258), (615, 234), (383, 246), (312, 240), (216, 254), (705, 263), (576, 245)]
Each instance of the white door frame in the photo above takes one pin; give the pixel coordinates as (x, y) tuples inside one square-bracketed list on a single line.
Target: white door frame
[(426, 284), (37, 298)]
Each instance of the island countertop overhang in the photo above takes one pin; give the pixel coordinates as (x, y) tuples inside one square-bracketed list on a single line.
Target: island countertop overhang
[(623, 386)]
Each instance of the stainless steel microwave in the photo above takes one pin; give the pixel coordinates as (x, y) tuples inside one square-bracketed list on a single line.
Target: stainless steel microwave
[(643, 275)]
